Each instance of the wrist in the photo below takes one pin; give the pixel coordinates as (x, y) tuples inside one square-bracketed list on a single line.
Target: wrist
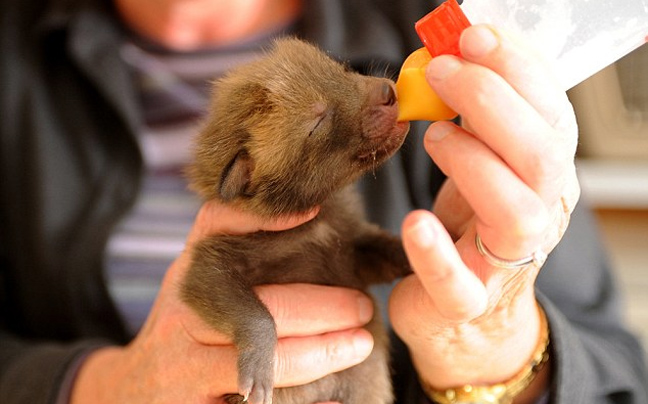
[(486, 350), (526, 386), (97, 376)]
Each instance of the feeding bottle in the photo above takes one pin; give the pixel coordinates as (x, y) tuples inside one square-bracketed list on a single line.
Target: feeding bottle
[(577, 38)]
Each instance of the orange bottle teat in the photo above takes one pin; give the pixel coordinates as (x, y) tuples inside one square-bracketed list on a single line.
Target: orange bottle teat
[(416, 99), (439, 31)]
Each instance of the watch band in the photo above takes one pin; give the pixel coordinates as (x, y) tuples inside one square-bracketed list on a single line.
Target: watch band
[(500, 393)]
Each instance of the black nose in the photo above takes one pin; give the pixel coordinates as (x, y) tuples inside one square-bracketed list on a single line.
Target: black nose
[(388, 94)]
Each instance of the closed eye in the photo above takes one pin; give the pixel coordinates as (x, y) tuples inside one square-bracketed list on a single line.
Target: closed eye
[(318, 123)]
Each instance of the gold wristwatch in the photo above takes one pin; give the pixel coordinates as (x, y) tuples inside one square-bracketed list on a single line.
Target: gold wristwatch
[(501, 393)]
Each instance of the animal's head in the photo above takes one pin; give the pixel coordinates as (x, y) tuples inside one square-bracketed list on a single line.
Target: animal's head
[(286, 131)]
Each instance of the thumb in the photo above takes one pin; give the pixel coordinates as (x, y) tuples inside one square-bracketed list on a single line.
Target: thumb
[(455, 291), (214, 217)]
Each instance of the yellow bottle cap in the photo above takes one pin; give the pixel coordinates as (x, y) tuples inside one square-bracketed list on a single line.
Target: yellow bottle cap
[(416, 99)]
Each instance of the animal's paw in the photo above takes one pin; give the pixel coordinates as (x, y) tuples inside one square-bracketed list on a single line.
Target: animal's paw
[(256, 376), (239, 399), (234, 399), (256, 392)]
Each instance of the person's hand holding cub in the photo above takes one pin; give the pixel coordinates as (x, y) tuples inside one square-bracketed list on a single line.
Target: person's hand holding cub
[(177, 358)]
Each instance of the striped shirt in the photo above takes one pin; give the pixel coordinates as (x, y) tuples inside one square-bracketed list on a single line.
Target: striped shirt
[(174, 91)]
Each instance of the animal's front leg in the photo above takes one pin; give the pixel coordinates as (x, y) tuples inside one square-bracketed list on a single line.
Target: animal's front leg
[(216, 288), (380, 256)]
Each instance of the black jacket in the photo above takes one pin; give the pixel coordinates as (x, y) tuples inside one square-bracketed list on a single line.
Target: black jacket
[(70, 167)]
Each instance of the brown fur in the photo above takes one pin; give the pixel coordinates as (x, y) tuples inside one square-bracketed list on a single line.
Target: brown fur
[(285, 134)]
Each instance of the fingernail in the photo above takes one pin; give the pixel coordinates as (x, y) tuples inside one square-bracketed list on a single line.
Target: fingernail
[(423, 234), (365, 309), (441, 67), (362, 344), (478, 41), (438, 131)]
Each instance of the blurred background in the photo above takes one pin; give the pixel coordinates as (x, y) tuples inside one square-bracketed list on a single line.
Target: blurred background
[(612, 161)]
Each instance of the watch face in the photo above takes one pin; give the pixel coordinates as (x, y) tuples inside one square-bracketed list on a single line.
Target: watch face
[(485, 400)]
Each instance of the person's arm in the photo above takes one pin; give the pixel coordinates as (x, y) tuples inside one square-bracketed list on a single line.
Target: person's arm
[(512, 182), (35, 371)]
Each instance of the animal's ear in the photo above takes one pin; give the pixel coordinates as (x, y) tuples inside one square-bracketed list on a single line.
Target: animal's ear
[(255, 98), (236, 177)]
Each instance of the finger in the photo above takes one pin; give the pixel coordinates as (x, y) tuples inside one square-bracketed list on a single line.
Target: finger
[(505, 121), (501, 118), (306, 359), (456, 293), (530, 76), (217, 218), (522, 68), (452, 209), (511, 218), (298, 360), (305, 309), (298, 310)]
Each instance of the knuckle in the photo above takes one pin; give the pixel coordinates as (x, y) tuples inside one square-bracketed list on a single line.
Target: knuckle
[(457, 313), (483, 90), (284, 366), (529, 223), (572, 192), (546, 165), (277, 301), (333, 351), (565, 120)]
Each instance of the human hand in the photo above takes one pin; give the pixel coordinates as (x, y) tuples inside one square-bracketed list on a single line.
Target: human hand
[(512, 181), (177, 358)]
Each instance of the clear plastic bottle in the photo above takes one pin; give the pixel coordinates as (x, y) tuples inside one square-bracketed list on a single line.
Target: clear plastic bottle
[(580, 36), (576, 37)]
